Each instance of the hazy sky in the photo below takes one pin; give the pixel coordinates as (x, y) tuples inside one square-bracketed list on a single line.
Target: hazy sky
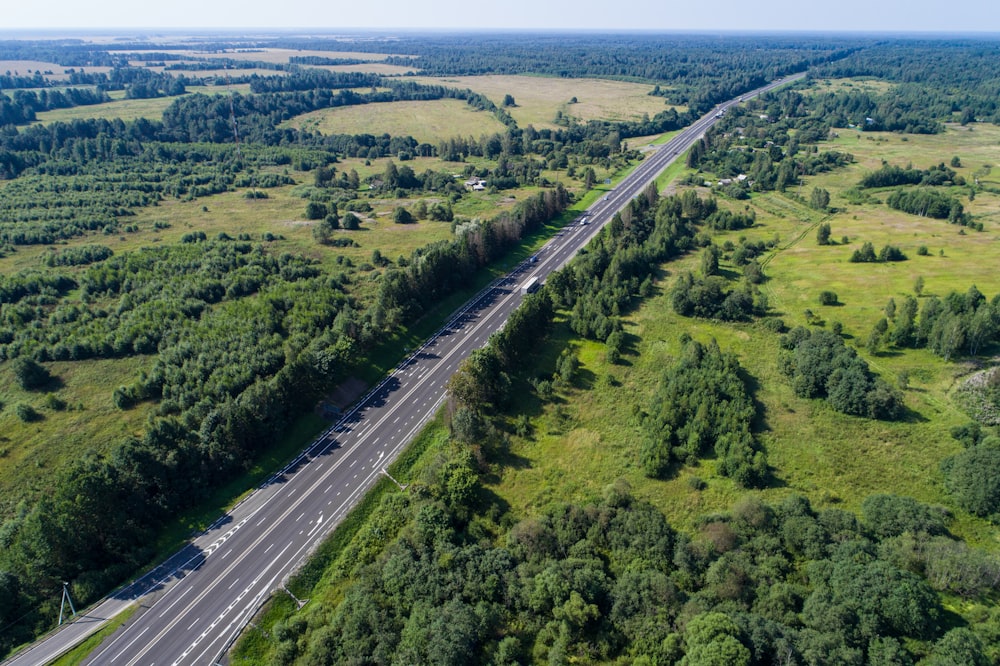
[(853, 15)]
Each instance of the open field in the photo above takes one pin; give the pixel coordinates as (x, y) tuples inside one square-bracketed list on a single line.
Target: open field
[(380, 68), (428, 121), (89, 422), (129, 109), (876, 86), (282, 56), (583, 444), (539, 99), (23, 67)]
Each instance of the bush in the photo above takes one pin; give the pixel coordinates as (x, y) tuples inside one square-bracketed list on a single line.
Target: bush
[(891, 515), (27, 413), (828, 298), (30, 375), (316, 210), (350, 222), (402, 216)]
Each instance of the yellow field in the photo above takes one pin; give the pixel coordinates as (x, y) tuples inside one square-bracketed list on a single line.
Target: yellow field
[(540, 98), (379, 68), (429, 121), (22, 68)]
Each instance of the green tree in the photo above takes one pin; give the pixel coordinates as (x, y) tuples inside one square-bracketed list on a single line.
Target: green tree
[(973, 478), (958, 646), (710, 261), (819, 199), (712, 639), (316, 210), (823, 234), (402, 216), (30, 374)]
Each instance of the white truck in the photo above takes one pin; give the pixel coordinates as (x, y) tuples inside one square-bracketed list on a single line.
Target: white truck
[(530, 285)]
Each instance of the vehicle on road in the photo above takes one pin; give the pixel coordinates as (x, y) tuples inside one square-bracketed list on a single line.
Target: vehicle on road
[(530, 285)]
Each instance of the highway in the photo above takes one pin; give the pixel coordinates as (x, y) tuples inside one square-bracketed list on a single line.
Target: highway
[(194, 605)]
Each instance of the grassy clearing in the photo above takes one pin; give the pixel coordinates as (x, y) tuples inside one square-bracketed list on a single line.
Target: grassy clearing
[(125, 109), (874, 86), (379, 68), (31, 452), (128, 109), (540, 98), (429, 121)]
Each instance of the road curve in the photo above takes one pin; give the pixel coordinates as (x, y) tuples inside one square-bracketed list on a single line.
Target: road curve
[(194, 605)]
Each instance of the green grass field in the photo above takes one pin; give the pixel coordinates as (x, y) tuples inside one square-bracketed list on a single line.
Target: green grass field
[(129, 109), (427, 121), (540, 98)]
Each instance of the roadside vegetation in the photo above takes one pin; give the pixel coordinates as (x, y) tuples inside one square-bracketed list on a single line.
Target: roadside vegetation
[(875, 508)]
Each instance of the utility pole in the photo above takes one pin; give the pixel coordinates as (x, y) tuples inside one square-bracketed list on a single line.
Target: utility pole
[(65, 598)]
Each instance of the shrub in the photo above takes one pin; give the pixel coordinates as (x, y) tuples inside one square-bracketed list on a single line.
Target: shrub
[(350, 222), (891, 515), (30, 375), (27, 413), (316, 210), (828, 298)]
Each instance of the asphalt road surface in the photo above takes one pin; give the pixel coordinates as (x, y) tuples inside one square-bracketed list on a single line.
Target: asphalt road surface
[(193, 606)]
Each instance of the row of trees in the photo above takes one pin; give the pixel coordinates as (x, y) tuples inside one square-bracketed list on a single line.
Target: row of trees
[(866, 253), (929, 203), (958, 324), (891, 175)]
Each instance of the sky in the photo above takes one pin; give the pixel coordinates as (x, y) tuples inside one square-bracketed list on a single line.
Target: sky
[(600, 15)]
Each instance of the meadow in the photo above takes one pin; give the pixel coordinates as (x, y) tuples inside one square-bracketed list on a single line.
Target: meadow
[(426, 121), (591, 436), (539, 99)]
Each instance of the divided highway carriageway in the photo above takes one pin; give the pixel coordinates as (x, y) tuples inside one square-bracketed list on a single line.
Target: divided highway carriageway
[(194, 605)]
